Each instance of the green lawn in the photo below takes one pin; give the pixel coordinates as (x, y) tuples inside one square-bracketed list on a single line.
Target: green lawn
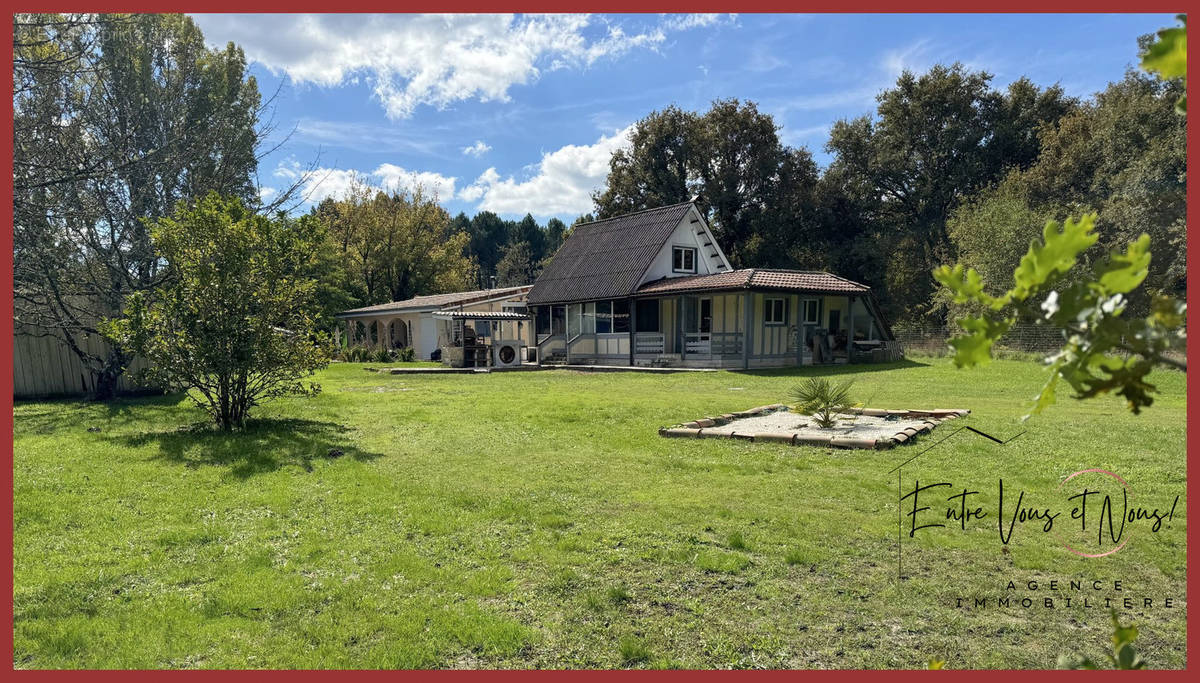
[(537, 520)]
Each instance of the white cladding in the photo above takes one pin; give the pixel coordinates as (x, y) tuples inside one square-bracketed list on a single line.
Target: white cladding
[(709, 257)]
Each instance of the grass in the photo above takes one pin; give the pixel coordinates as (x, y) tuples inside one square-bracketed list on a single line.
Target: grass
[(735, 540), (634, 650), (538, 520)]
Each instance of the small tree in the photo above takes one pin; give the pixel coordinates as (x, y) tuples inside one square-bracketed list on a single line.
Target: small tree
[(823, 399), (235, 324)]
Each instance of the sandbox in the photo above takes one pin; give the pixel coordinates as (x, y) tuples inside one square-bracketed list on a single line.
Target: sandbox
[(856, 427)]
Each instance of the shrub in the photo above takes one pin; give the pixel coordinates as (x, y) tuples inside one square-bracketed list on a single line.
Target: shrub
[(407, 354), (823, 399), (381, 356), (235, 324)]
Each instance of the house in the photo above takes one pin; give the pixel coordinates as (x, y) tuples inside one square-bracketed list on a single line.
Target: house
[(654, 288), (415, 322)]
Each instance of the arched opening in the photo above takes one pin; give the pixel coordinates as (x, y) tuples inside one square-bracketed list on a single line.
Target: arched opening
[(398, 334)]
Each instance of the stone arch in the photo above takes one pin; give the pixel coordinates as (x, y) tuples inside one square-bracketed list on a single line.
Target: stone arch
[(358, 334), (398, 334)]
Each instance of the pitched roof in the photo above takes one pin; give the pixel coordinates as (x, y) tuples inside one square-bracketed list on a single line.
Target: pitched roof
[(437, 301), (756, 278), (481, 315), (607, 258)]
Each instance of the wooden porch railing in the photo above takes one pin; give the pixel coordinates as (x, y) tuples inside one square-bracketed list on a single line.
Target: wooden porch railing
[(713, 343), (649, 342), (547, 344)]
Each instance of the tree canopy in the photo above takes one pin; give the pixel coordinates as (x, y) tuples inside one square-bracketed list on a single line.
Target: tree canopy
[(394, 246), (1117, 324), (938, 138), (116, 118), (750, 184), (235, 323)]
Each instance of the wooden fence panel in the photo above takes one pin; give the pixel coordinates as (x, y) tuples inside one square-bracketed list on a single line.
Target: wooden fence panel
[(45, 366)]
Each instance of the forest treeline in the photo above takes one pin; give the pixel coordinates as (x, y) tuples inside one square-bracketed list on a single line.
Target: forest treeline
[(120, 120), (947, 168)]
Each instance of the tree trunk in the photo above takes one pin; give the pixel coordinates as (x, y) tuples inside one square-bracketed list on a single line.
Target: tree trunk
[(108, 377)]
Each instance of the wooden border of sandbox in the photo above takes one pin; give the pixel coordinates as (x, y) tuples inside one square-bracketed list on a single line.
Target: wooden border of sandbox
[(932, 418)]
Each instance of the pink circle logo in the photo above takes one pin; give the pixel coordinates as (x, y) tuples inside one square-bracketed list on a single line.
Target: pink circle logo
[(1124, 486)]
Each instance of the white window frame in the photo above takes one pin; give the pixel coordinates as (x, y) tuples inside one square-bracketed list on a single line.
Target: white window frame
[(685, 251), (816, 311), (604, 317), (768, 310)]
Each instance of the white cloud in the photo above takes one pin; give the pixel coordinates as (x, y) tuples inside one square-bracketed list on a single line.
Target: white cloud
[(683, 22), (562, 184), (915, 57), (265, 193), (319, 183), (478, 149), (392, 177), (414, 60), (366, 137), (478, 188), (798, 136)]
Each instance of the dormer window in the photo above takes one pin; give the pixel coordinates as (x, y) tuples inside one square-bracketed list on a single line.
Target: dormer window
[(683, 259)]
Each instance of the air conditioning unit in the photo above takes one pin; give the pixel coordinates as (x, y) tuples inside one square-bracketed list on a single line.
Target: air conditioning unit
[(507, 354)]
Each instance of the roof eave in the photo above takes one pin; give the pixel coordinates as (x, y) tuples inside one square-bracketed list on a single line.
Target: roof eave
[(752, 288), (361, 314)]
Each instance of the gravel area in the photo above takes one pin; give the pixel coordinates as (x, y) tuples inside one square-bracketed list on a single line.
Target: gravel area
[(855, 428), (783, 422)]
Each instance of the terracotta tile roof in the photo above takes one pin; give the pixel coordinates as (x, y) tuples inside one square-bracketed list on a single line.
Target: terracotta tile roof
[(734, 279), (437, 301), (606, 259), (756, 278)]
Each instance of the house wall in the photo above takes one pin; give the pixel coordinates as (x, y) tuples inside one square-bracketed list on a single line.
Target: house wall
[(424, 336), (360, 330), (864, 322), (727, 313), (771, 345), (423, 327), (774, 340), (688, 234)]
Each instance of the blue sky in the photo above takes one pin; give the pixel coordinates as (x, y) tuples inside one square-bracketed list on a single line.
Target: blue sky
[(519, 114)]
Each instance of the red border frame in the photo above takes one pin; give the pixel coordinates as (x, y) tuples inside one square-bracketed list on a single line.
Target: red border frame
[(630, 6)]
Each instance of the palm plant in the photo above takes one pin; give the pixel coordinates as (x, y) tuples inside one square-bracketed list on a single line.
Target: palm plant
[(822, 399)]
